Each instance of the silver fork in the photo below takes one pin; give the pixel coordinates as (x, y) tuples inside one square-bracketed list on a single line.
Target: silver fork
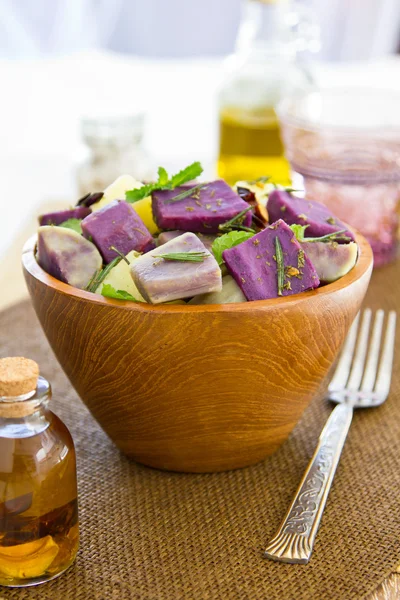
[(361, 380)]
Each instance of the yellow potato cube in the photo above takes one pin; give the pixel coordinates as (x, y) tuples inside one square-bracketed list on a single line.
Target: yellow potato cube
[(143, 209), (116, 190), (120, 277)]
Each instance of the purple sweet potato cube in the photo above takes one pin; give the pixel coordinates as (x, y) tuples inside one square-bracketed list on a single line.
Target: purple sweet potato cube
[(160, 280), (254, 264), (203, 211), (66, 255), (331, 260), (58, 217), (320, 220), (167, 236), (118, 225)]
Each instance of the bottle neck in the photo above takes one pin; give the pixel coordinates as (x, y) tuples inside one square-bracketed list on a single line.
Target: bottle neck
[(27, 405), (266, 30), (277, 28)]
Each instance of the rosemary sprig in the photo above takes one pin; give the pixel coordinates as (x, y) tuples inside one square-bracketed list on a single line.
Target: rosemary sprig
[(283, 188), (184, 256), (121, 254), (280, 265), (329, 237), (187, 193), (237, 222), (299, 231), (99, 276), (263, 179)]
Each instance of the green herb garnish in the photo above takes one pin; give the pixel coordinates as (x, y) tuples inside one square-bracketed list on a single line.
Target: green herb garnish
[(187, 174), (184, 256), (228, 240), (299, 230), (187, 193), (280, 266), (164, 182), (237, 222), (283, 188), (262, 179), (121, 254), (100, 275), (74, 224), (109, 292), (162, 176)]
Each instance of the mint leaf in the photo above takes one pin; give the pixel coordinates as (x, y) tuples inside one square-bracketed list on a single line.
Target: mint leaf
[(109, 292), (140, 193), (163, 183), (298, 231), (162, 176), (187, 174), (74, 224), (228, 240)]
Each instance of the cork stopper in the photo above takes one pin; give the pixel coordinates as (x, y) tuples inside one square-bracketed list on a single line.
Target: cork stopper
[(18, 376)]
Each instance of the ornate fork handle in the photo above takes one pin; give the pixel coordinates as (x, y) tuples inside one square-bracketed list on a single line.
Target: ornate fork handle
[(294, 540)]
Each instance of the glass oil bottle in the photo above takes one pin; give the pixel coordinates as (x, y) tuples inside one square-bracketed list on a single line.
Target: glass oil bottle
[(262, 71), (39, 534)]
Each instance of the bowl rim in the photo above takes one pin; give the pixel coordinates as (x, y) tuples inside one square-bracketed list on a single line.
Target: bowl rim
[(286, 117), (363, 264)]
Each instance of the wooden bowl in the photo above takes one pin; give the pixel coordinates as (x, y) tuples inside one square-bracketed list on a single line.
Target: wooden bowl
[(197, 388)]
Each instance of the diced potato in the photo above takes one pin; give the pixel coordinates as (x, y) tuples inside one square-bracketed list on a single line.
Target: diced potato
[(162, 280), (230, 294), (262, 272), (120, 277), (116, 190), (201, 212), (331, 260), (144, 210), (67, 255), (117, 226)]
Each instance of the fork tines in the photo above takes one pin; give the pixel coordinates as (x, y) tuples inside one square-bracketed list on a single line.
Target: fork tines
[(365, 365)]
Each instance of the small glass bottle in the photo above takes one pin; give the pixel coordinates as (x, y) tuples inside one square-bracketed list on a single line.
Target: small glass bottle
[(114, 147), (39, 534), (264, 69)]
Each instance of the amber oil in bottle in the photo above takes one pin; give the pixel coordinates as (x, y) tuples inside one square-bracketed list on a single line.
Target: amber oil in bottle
[(250, 144), (39, 534)]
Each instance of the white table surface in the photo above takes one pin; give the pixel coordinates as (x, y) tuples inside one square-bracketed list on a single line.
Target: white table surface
[(41, 103)]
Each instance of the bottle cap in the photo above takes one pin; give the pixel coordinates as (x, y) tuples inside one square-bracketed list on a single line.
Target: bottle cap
[(18, 376)]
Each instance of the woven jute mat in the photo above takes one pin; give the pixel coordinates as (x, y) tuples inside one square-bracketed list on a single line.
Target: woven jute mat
[(152, 535)]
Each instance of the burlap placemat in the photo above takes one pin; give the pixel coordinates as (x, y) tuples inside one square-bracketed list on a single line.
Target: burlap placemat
[(150, 535)]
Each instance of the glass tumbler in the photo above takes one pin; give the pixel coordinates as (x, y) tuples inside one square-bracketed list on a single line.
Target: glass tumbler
[(346, 145)]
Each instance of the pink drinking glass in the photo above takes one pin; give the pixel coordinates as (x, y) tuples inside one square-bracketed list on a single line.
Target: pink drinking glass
[(346, 145)]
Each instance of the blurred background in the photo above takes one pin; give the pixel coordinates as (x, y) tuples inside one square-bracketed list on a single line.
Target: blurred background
[(90, 88), (350, 30)]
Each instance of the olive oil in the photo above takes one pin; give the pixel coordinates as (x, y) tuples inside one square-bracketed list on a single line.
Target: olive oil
[(38, 506), (39, 533), (251, 145)]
